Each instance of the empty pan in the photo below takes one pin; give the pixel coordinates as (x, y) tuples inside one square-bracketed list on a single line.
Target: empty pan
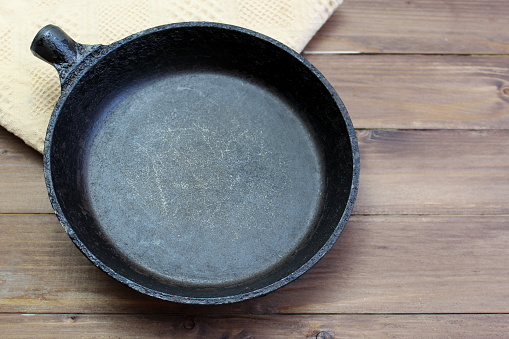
[(197, 162)]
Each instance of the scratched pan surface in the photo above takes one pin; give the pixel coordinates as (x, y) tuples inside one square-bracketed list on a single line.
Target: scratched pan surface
[(200, 163)]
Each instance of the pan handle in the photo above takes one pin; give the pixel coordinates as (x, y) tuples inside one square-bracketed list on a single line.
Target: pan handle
[(54, 46)]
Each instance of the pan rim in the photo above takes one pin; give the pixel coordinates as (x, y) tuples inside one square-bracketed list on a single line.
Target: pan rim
[(74, 76)]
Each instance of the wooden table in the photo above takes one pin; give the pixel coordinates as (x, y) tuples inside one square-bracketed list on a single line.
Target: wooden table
[(426, 253)]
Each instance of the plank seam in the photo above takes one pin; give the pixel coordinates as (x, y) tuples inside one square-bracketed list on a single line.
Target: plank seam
[(357, 53), (260, 314)]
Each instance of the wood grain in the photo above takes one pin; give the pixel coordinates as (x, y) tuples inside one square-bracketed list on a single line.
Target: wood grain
[(402, 172), (420, 92), (416, 26), (311, 327), (433, 172), (381, 264), (22, 188)]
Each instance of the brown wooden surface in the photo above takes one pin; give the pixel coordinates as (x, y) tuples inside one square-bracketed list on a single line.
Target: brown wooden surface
[(416, 26), (426, 252), (381, 264), (249, 326), (421, 91)]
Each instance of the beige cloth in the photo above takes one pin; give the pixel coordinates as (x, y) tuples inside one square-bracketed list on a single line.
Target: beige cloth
[(29, 87)]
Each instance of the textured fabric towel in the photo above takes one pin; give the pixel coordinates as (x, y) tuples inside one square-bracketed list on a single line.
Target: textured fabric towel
[(29, 87)]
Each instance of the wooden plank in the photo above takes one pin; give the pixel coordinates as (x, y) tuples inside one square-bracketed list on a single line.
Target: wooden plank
[(381, 264), (13, 151), (402, 172), (416, 26), (423, 92), (420, 92), (433, 172), (297, 326), (416, 92), (23, 190), (22, 187)]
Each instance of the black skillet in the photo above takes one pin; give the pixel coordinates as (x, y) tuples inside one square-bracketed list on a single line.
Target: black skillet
[(197, 162)]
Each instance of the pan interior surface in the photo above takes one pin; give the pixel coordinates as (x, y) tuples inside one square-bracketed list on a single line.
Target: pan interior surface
[(203, 178)]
